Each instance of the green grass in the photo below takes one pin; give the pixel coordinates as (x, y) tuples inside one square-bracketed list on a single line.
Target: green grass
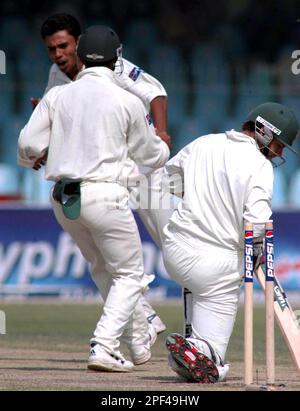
[(236, 345), (51, 326), (69, 326)]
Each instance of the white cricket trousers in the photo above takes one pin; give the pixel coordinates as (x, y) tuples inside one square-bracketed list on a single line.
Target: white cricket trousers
[(155, 206), (154, 203), (106, 232), (214, 277)]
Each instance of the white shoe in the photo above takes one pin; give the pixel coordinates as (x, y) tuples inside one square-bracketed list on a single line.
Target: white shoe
[(101, 360), (140, 354), (223, 371), (152, 334), (157, 323), (139, 345)]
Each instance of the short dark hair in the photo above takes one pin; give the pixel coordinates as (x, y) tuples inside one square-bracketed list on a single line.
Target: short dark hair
[(61, 21), (248, 126)]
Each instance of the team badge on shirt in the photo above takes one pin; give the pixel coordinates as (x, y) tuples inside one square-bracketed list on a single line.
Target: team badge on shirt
[(135, 72), (149, 119)]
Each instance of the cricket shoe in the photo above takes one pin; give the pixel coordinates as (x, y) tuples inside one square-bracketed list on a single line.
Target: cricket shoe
[(179, 369), (185, 374), (223, 371), (157, 323), (139, 346), (200, 367), (205, 347), (152, 334), (140, 354), (101, 360)]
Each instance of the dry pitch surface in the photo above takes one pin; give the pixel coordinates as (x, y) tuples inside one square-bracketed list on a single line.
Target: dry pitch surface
[(46, 347)]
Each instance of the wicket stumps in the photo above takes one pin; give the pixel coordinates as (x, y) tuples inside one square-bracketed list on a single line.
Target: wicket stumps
[(269, 304)]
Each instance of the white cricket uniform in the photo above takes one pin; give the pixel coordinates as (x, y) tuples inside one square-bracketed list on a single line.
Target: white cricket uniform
[(90, 127), (146, 87), (226, 180)]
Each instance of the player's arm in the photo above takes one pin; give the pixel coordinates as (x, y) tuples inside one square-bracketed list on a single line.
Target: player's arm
[(144, 146), (159, 112), (258, 202), (258, 207), (151, 92), (35, 137)]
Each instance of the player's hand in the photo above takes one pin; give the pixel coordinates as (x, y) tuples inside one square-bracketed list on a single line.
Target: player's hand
[(40, 162), (258, 252), (165, 137), (258, 261), (34, 102)]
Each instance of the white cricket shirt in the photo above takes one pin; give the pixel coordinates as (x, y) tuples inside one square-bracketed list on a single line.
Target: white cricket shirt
[(132, 78), (226, 179), (89, 127)]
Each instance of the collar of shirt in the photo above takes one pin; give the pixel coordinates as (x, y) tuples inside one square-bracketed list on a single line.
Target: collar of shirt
[(239, 136), (98, 72), (57, 72)]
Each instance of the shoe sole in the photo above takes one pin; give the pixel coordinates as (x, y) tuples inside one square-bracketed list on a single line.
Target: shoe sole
[(201, 368), (99, 366), (179, 369)]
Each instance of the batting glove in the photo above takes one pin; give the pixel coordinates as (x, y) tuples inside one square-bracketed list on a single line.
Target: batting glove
[(258, 252)]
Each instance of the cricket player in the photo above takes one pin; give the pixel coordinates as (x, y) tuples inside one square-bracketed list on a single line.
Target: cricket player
[(61, 33), (89, 128), (227, 179)]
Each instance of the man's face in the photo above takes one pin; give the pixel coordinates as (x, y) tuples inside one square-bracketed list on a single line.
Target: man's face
[(275, 149), (61, 48)]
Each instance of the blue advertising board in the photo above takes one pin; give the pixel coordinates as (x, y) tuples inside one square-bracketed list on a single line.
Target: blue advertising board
[(38, 258), (287, 248)]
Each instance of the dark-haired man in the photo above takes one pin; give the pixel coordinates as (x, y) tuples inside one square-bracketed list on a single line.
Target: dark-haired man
[(60, 34)]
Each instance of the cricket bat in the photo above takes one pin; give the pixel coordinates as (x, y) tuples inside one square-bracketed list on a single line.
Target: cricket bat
[(286, 319)]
